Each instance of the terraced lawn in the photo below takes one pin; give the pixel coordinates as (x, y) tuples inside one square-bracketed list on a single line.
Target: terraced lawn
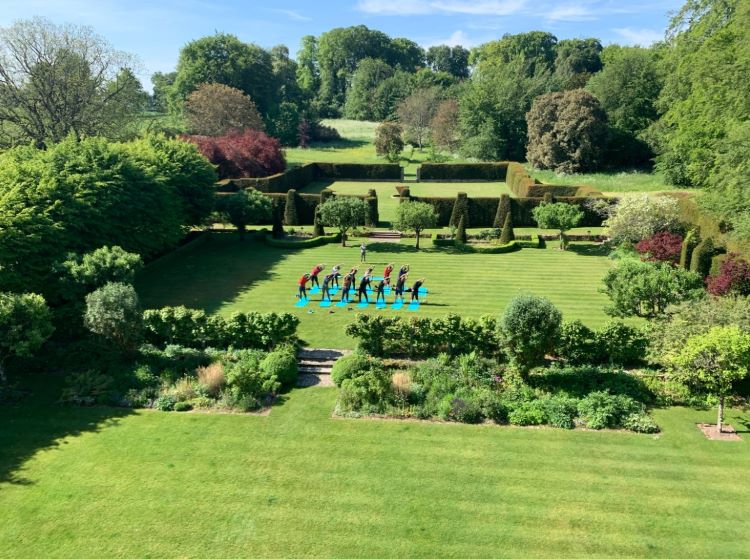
[(225, 275), (100, 482)]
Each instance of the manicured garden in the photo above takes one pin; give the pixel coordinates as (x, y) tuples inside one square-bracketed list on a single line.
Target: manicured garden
[(225, 275), (95, 482)]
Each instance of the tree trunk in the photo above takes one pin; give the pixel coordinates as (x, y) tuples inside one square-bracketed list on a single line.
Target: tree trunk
[(562, 240), (720, 419), (417, 240), (343, 238)]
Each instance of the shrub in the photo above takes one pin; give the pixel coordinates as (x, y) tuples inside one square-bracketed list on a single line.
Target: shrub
[(212, 378), (183, 390), (733, 278), (560, 411), (461, 230), (367, 391), (183, 406), (530, 326), (87, 388), (639, 217), (661, 247), (503, 210), (214, 109), (577, 344), (290, 208), (507, 235), (460, 210), (640, 422), (621, 344), (700, 260), (401, 386), (688, 245), (528, 413), (246, 153), (602, 410), (580, 381), (113, 312), (25, 324), (388, 141), (282, 364), (246, 378), (165, 402), (349, 366), (463, 407)]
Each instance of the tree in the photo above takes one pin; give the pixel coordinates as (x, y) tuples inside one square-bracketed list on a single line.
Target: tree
[(249, 153), (715, 361), (416, 112), (224, 59), (82, 274), (389, 94), (61, 80), (530, 326), (246, 207), (576, 60), (560, 216), (114, 312), (493, 109), (308, 72), (162, 84), (444, 125), (639, 217), (343, 213), (285, 122), (359, 98), (506, 235), (25, 324), (388, 141), (461, 230), (453, 60), (567, 132), (415, 216), (213, 109), (648, 289), (535, 49)]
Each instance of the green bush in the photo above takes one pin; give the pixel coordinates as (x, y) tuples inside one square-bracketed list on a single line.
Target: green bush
[(688, 245), (461, 231), (621, 344), (577, 344), (560, 411), (282, 364), (460, 210), (247, 379), (463, 407), (507, 235), (700, 260), (640, 422), (581, 381), (528, 413), (602, 410), (530, 327), (182, 406), (165, 403), (503, 210), (349, 366), (290, 208), (87, 388), (369, 391)]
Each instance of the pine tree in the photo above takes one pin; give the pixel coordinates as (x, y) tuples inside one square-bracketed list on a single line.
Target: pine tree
[(507, 234), (290, 210)]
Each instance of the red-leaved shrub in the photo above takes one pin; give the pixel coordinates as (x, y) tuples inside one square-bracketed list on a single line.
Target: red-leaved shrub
[(246, 153), (661, 247), (733, 277)]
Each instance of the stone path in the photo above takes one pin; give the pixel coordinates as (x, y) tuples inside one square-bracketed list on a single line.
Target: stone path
[(315, 364)]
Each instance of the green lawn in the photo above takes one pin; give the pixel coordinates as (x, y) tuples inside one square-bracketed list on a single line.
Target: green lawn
[(102, 482), (609, 183), (225, 275), (387, 204)]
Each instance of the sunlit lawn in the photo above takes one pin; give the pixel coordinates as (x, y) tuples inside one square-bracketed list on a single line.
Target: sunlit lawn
[(115, 483)]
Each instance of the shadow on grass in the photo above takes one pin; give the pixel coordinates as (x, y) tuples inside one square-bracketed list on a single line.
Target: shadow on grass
[(588, 249), (38, 423)]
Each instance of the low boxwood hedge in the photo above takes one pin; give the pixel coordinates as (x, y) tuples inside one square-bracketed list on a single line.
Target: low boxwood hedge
[(533, 242), (303, 243)]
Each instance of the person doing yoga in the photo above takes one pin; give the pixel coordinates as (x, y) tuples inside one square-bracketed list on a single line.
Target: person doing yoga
[(314, 274), (302, 286), (347, 284), (381, 289), (336, 270), (415, 289), (327, 286), (387, 271), (400, 288), (363, 285)]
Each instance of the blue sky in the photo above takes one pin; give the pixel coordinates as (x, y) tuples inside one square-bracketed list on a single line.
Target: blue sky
[(155, 30)]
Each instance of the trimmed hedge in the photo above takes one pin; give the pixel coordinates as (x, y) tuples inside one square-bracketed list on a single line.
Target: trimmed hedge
[(302, 243), (534, 241), (468, 172), (524, 186), (700, 261), (688, 245), (361, 171)]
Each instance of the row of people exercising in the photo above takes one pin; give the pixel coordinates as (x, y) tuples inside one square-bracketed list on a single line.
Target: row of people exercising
[(349, 281)]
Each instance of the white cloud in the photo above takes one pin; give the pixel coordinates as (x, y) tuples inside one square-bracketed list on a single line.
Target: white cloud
[(642, 37), (570, 12), (456, 38), (445, 7), (291, 14)]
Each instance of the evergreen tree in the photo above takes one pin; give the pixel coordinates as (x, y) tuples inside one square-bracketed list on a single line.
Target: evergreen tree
[(460, 210), (503, 209), (461, 231), (290, 210), (507, 234)]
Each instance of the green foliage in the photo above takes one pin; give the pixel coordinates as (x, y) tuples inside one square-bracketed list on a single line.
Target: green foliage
[(602, 410), (113, 311), (503, 210), (688, 245), (506, 235), (560, 411), (284, 123), (566, 132), (371, 216), (25, 324), (165, 402), (282, 364), (80, 275), (318, 229), (460, 210), (621, 344), (700, 259), (577, 343), (530, 326), (640, 422), (369, 74), (87, 388), (576, 61), (415, 216), (528, 413), (214, 109), (560, 216), (247, 207), (349, 366), (635, 218), (343, 213), (196, 328), (461, 231), (290, 208), (247, 382), (388, 141), (367, 390), (648, 289)]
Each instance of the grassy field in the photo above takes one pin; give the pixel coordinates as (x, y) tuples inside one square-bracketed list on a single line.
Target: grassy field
[(609, 183), (225, 275), (104, 482)]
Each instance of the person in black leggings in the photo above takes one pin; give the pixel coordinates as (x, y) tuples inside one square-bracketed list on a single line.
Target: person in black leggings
[(363, 285), (381, 289), (415, 289), (347, 284), (327, 286), (400, 287)]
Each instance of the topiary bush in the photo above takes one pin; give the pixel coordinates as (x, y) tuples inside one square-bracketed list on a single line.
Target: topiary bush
[(460, 210), (349, 366), (686, 250), (700, 260), (503, 209), (290, 208), (282, 364), (507, 235)]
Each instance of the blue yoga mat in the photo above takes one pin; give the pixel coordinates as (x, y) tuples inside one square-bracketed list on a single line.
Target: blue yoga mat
[(413, 306), (381, 305), (397, 305), (342, 304), (333, 290), (362, 305), (314, 290), (325, 303), (301, 303), (422, 290), (387, 290)]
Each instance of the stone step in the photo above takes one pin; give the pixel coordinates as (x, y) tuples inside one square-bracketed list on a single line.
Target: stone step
[(306, 369), (321, 353), (316, 362)]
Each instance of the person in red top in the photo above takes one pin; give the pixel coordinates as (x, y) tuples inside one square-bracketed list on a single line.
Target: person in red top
[(387, 271), (314, 274), (302, 289)]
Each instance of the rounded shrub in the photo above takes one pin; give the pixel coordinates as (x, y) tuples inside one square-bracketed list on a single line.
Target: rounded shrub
[(577, 344), (349, 366), (640, 422), (183, 406), (281, 363), (165, 403), (528, 413), (561, 411), (530, 327)]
